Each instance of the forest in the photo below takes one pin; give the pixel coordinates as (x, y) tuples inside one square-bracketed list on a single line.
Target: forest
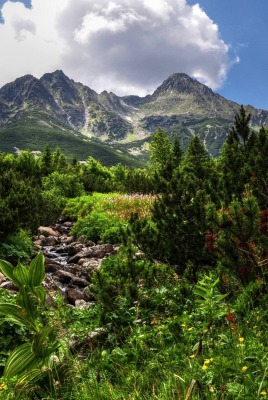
[(180, 309)]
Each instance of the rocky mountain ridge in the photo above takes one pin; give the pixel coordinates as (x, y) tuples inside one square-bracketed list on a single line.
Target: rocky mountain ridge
[(180, 105)]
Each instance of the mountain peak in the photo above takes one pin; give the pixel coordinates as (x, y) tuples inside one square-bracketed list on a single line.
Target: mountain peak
[(57, 75), (181, 83)]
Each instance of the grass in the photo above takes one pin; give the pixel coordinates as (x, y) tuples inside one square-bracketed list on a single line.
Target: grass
[(164, 337), (102, 217), (34, 131)]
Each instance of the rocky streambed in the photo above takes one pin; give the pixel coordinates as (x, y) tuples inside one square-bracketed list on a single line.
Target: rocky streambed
[(69, 263)]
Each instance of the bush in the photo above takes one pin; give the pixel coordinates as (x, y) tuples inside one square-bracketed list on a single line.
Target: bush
[(98, 228), (17, 247)]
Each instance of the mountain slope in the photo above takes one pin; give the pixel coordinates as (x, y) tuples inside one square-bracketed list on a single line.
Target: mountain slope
[(55, 103)]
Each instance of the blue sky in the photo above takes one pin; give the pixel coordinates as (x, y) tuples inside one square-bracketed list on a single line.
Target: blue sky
[(243, 24), (131, 46)]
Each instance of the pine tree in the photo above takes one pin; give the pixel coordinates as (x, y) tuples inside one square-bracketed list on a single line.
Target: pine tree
[(176, 233), (234, 161)]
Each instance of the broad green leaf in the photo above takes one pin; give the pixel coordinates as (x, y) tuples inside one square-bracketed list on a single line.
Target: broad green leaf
[(7, 269), (27, 300), (40, 293), (28, 378), (20, 360), (37, 270), (16, 314), (21, 273), (45, 343)]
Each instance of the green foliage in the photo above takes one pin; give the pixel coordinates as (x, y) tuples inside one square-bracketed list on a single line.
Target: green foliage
[(65, 185), (37, 359), (98, 228), (236, 238), (16, 247), (103, 217)]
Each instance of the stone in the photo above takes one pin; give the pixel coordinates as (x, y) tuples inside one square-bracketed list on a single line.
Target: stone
[(82, 254), (74, 294), (81, 304), (74, 248), (49, 241), (47, 231), (9, 286), (82, 239), (68, 224), (52, 266), (102, 250), (64, 276), (80, 282)]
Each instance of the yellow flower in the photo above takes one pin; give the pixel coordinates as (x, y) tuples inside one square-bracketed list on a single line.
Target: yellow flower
[(211, 359), (192, 356), (212, 389), (263, 393), (183, 325), (3, 386), (206, 361), (241, 339), (244, 368), (190, 329), (204, 367)]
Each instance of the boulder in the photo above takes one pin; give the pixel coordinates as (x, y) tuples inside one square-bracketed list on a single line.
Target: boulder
[(64, 276), (52, 266), (82, 254), (49, 241), (9, 286), (47, 231), (74, 294), (80, 282)]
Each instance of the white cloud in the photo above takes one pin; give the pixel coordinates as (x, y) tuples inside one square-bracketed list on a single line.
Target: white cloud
[(126, 46)]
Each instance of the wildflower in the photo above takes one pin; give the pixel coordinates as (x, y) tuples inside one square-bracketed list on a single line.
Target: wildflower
[(212, 389), (207, 361), (263, 393), (192, 356), (3, 386), (241, 339), (183, 325), (244, 368), (190, 329), (204, 367)]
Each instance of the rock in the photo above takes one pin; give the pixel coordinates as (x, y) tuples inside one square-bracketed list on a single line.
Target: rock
[(64, 276), (74, 294), (49, 241), (74, 248), (47, 231), (82, 239), (102, 250), (52, 266), (82, 254), (90, 265), (80, 282), (68, 224), (9, 286), (81, 304)]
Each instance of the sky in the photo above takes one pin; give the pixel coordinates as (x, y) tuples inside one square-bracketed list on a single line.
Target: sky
[(132, 46)]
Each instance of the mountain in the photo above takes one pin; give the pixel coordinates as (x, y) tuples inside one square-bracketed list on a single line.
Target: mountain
[(54, 109)]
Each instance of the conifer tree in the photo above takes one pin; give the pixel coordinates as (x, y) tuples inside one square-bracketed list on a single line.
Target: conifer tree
[(235, 156), (177, 232)]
